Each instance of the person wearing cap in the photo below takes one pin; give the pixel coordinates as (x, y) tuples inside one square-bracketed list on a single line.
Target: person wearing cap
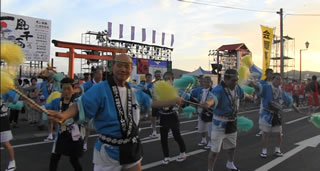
[(115, 111), (226, 96)]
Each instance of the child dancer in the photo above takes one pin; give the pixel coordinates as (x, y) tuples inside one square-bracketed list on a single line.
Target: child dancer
[(68, 140)]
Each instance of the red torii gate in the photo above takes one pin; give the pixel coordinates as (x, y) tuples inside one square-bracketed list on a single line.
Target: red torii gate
[(72, 54)]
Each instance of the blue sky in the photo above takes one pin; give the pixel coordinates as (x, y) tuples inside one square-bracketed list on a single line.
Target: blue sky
[(197, 28)]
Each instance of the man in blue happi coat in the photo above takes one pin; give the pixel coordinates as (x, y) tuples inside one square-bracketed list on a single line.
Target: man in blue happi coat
[(114, 108), (273, 98), (268, 80), (226, 97)]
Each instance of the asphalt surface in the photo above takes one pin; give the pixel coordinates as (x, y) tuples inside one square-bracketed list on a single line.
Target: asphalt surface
[(32, 154)]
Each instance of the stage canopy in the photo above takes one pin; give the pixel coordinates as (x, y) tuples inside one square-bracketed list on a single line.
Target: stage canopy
[(198, 72)]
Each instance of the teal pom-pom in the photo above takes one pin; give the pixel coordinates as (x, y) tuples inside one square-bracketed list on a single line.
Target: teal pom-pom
[(16, 106), (184, 81), (188, 111), (244, 124), (247, 89), (315, 119)]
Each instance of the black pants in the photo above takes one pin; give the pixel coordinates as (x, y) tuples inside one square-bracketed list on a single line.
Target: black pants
[(14, 115), (168, 122), (54, 160), (296, 100)]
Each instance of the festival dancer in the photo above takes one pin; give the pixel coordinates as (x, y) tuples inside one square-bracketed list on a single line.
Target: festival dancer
[(5, 132), (268, 80), (68, 140), (146, 89), (43, 90), (114, 108), (195, 97), (205, 114), (227, 97), (97, 78), (154, 111), (270, 120), (169, 120)]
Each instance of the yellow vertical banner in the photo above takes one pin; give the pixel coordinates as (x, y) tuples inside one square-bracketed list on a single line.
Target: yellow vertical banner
[(267, 38)]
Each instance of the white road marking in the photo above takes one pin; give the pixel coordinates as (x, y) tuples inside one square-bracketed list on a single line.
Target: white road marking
[(158, 138), (296, 120), (310, 142), (157, 163), (95, 135)]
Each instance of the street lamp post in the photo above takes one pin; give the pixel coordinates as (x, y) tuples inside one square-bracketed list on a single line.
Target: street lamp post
[(307, 46)]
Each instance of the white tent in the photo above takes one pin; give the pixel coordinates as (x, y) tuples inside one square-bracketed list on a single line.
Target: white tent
[(198, 72)]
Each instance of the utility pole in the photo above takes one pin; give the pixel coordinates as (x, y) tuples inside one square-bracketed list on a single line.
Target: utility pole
[(281, 43), (219, 71)]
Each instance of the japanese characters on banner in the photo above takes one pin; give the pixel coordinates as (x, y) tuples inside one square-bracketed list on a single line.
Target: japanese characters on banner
[(140, 67), (33, 35), (143, 34), (267, 38)]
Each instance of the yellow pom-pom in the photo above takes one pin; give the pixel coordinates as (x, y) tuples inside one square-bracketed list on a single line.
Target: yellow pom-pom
[(11, 71), (53, 95), (12, 53), (247, 60), (164, 91), (6, 82), (244, 73)]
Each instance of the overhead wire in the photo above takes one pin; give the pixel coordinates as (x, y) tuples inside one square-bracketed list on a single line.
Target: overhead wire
[(245, 9), (228, 7)]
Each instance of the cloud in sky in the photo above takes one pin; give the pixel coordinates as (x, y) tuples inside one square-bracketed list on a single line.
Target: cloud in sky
[(197, 28)]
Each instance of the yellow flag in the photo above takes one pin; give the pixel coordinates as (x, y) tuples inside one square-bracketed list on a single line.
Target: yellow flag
[(267, 38)]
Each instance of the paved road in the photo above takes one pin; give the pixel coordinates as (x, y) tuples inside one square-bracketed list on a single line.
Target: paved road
[(301, 148)]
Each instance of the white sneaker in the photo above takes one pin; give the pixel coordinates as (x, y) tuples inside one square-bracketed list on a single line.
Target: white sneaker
[(182, 157), (85, 147), (202, 143), (154, 134), (49, 138), (11, 169), (170, 134), (278, 153), (166, 161), (208, 146), (11, 166), (259, 134)]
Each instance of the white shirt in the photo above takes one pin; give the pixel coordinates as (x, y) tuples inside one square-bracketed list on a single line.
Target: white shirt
[(204, 95), (123, 97)]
